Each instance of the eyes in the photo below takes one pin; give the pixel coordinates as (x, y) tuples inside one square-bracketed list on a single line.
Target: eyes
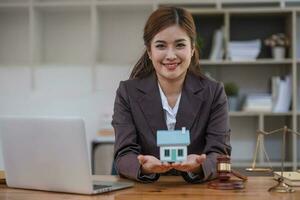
[(162, 46)]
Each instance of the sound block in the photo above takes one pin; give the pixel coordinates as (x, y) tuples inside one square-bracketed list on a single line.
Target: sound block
[(226, 185)]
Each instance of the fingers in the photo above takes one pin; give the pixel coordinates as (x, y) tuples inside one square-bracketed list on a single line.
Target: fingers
[(176, 164), (150, 164), (142, 159), (180, 166), (153, 165), (166, 164), (200, 159), (191, 164)]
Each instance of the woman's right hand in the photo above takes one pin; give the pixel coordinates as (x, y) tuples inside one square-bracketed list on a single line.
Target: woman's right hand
[(151, 165)]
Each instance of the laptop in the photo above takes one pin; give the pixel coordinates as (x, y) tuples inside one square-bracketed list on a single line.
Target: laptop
[(49, 154)]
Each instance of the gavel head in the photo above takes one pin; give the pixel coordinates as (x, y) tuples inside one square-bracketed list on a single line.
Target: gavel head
[(223, 167)]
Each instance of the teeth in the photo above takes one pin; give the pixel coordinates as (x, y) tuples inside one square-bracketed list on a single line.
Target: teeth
[(170, 65)]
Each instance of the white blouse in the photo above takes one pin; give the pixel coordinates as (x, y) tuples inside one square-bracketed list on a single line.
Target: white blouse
[(170, 113)]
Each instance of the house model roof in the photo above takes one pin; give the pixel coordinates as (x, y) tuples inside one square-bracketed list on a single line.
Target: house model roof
[(176, 137)]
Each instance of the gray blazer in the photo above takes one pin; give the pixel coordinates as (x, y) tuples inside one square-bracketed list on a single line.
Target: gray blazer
[(138, 114)]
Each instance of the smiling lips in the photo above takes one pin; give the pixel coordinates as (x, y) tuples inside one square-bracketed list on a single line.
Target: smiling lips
[(171, 66)]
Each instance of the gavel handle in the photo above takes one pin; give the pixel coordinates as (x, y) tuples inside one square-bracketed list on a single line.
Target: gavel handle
[(240, 176)]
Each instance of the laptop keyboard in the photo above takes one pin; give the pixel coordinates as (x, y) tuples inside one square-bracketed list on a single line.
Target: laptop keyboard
[(98, 187)]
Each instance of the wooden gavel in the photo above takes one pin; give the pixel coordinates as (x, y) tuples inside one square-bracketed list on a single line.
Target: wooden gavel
[(224, 169)]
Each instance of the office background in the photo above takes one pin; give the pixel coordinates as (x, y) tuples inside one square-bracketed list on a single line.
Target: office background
[(66, 58)]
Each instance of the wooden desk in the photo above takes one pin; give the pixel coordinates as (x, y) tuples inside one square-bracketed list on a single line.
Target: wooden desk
[(173, 188)]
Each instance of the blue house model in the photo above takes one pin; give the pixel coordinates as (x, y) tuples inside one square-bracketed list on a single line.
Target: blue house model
[(173, 145)]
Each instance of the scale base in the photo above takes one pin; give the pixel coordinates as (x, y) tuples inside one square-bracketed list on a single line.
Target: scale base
[(281, 187)]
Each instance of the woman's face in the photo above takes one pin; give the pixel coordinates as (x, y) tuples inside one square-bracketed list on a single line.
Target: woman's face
[(171, 52)]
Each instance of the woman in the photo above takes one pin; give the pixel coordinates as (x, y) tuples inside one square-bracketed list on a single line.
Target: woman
[(167, 91)]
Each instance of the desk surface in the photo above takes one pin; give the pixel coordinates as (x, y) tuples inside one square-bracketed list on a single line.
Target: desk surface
[(166, 188)]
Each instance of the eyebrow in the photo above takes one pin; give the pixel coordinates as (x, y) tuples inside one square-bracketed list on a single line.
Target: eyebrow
[(162, 41)]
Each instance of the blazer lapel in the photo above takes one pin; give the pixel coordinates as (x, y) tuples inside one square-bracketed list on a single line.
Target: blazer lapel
[(192, 98), (150, 104)]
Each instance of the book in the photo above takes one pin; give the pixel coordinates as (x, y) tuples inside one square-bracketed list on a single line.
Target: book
[(284, 94), (217, 49), (275, 82), (290, 178)]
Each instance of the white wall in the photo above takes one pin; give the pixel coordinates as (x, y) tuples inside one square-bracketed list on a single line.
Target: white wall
[(61, 91)]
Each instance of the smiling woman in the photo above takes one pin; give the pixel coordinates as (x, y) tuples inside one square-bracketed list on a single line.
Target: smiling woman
[(171, 51), (166, 91)]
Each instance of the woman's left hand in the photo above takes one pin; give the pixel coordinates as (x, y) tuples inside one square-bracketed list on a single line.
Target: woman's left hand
[(191, 164)]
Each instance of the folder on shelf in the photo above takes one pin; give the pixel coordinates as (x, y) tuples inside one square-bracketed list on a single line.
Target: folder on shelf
[(283, 94), (290, 178), (217, 49)]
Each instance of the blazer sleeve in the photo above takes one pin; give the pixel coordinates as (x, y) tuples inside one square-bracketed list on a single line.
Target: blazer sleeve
[(217, 137), (217, 133), (126, 142)]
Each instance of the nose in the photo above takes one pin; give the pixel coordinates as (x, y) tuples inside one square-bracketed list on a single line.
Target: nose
[(171, 55)]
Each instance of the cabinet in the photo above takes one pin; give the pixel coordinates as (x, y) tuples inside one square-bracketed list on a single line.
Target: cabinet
[(250, 21), (106, 37)]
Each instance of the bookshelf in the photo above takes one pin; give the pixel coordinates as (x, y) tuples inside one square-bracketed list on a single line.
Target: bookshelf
[(248, 22), (63, 34), (105, 37), (14, 36), (120, 29)]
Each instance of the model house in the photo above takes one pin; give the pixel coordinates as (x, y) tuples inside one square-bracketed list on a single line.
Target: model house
[(173, 144)]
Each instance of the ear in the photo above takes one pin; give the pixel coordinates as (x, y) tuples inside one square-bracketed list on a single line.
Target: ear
[(193, 50), (149, 53)]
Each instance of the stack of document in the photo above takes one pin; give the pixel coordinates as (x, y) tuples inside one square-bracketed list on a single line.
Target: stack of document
[(290, 178), (244, 50), (258, 103)]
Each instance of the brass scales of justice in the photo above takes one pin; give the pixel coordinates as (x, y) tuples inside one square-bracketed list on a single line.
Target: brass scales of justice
[(280, 186)]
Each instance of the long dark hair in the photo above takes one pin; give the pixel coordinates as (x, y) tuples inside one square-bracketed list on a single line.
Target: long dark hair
[(160, 19)]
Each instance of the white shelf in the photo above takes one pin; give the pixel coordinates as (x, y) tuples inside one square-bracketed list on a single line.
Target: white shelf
[(246, 114), (238, 163), (61, 3), (255, 62), (123, 4), (14, 36), (121, 31), (243, 114), (289, 114), (65, 35), (14, 3), (248, 164), (276, 164)]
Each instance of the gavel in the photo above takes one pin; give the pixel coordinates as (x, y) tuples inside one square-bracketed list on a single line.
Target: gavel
[(224, 173), (224, 168)]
